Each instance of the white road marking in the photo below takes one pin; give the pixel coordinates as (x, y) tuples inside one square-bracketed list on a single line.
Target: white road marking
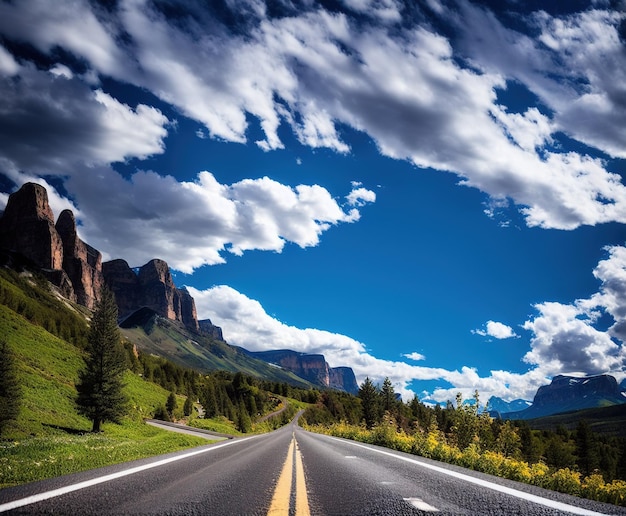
[(100, 480), (560, 506), (351, 457), (420, 504)]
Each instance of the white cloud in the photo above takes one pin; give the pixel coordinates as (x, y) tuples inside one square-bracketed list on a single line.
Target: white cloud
[(405, 87), (190, 224), (567, 338), (564, 341), (414, 356), (245, 323), (497, 330)]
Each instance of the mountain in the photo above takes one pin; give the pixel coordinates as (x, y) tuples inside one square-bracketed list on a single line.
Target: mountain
[(568, 393), (154, 314), (153, 333), (499, 406), (151, 286), (311, 367), (27, 228)]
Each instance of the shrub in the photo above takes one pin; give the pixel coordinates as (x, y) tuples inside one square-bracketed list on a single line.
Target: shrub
[(566, 481)]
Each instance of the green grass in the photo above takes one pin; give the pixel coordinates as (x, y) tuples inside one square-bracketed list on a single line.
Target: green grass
[(49, 438), (49, 456), (217, 424)]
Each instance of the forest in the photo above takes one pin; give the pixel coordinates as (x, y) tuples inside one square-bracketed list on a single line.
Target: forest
[(579, 461)]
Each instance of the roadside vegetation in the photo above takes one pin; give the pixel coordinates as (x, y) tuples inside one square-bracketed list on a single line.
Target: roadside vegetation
[(578, 462), (45, 433)]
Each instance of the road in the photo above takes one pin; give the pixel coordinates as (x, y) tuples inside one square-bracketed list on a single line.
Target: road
[(289, 471)]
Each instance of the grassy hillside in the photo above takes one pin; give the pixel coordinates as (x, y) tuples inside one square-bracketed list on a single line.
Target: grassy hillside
[(154, 334), (49, 438)]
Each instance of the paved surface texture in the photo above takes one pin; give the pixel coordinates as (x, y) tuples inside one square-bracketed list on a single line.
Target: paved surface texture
[(289, 471)]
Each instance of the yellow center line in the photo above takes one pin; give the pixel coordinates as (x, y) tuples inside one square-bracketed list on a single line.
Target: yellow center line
[(302, 499), (281, 500)]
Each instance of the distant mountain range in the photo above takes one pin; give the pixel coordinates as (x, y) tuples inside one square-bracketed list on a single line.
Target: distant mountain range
[(154, 314), (563, 394)]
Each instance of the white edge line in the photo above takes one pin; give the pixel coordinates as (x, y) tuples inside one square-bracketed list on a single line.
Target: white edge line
[(100, 480), (484, 483)]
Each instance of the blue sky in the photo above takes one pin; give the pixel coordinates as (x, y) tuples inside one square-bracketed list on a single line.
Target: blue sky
[(429, 191)]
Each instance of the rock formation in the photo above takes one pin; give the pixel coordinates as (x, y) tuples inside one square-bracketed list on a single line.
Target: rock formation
[(343, 379), (312, 367), (152, 287), (208, 328), (81, 262), (27, 227)]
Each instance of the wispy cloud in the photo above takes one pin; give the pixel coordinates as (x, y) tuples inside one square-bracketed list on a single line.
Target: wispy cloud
[(402, 84)]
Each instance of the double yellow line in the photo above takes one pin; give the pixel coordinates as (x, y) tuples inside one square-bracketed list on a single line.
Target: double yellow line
[(282, 495)]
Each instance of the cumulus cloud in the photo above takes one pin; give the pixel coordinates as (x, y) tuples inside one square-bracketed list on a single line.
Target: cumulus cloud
[(565, 340), (194, 223), (567, 337), (51, 123), (401, 83), (497, 330), (246, 323)]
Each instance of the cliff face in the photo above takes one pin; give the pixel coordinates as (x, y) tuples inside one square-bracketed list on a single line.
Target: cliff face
[(151, 287), (208, 328), (343, 378), (313, 368), (81, 262), (27, 227)]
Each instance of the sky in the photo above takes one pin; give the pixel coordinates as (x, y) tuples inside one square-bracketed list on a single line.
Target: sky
[(430, 191)]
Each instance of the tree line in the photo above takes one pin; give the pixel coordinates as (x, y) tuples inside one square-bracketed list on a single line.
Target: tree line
[(465, 425), (100, 388)]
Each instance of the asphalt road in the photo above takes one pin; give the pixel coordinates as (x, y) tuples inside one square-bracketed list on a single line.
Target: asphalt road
[(289, 471)]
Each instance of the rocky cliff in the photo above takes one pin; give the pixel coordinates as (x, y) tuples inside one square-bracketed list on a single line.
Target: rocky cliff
[(208, 328), (29, 235), (81, 262), (152, 287), (342, 378), (312, 367), (27, 227)]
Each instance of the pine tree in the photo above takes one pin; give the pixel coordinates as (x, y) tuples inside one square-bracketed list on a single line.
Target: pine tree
[(188, 406), (387, 395), (100, 388), (171, 404), (369, 402), (10, 393)]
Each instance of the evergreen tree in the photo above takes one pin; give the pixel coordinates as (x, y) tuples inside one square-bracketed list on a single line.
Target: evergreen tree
[(171, 404), (100, 395), (369, 402), (188, 406), (387, 396), (9, 386), (244, 423), (587, 449)]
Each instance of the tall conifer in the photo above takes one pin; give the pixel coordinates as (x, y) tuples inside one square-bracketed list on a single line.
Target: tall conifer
[(100, 387)]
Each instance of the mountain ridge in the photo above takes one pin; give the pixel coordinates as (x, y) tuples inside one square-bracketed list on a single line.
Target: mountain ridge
[(571, 393), (75, 268)]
